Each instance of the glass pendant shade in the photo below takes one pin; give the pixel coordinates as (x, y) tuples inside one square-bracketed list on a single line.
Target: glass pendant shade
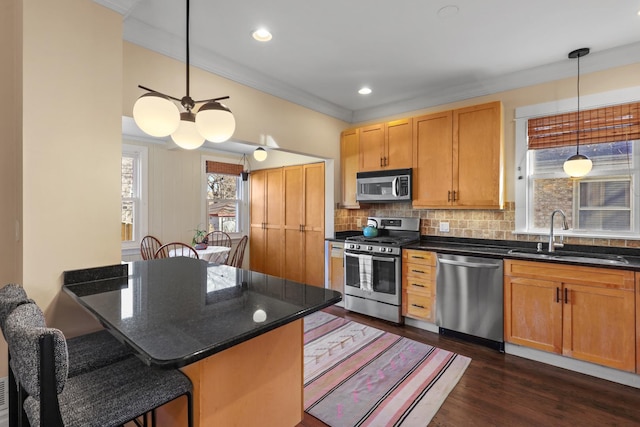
[(187, 136), (577, 166), (215, 122), (260, 154), (156, 114)]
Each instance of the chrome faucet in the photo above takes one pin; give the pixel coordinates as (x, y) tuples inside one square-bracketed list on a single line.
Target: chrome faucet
[(552, 244)]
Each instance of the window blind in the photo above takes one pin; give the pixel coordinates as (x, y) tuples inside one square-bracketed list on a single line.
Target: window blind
[(598, 125), (225, 168)]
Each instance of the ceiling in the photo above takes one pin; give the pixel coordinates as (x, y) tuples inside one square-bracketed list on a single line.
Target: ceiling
[(413, 54)]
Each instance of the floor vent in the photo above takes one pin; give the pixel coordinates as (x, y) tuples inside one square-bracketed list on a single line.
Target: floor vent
[(4, 394)]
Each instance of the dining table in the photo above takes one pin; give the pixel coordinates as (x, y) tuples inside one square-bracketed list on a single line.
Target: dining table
[(211, 254), (236, 333)]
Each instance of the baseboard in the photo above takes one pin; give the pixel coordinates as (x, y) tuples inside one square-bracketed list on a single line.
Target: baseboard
[(598, 371), (421, 324)]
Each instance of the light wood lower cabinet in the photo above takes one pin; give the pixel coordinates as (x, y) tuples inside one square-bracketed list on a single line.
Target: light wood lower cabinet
[(419, 284), (587, 313), (336, 266)]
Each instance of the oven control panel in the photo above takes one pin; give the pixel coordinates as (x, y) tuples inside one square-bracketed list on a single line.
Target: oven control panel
[(372, 249)]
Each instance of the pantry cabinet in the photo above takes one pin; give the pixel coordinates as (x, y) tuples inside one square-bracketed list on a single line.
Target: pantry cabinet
[(386, 145), (349, 166), (266, 222), (586, 313), (458, 158), (419, 284), (287, 223)]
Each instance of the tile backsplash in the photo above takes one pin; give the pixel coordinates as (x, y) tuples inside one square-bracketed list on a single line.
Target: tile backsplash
[(476, 224)]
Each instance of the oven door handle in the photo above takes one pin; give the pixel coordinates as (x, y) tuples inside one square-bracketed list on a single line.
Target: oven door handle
[(384, 259)]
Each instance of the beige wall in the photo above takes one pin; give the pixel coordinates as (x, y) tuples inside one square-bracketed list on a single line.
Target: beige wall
[(10, 151), (72, 100), (602, 81), (259, 117)]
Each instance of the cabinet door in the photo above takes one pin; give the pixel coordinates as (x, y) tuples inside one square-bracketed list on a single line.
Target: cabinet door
[(398, 153), (350, 165), (432, 167), (336, 266), (313, 224), (478, 156), (257, 233), (371, 145), (273, 251), (293, 247), (533, 313), (599, 325)]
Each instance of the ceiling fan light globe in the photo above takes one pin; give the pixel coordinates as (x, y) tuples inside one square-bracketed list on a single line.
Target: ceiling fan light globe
[(187, 136), (156, 115), (215, 122), (577, 166)]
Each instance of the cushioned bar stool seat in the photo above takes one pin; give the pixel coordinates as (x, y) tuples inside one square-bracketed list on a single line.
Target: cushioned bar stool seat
[(108, 396)]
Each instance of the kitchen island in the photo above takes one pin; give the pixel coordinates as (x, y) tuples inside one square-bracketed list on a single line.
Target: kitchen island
[(237, 334)]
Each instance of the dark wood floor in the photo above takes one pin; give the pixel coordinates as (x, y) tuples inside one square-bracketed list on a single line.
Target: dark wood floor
[(498, 389)]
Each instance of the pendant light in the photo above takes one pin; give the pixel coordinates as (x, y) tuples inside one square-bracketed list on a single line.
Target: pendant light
[(260, 154), (158, 115), (578, 165)]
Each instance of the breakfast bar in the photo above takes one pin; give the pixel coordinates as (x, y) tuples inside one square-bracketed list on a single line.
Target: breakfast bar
[(236, 333)]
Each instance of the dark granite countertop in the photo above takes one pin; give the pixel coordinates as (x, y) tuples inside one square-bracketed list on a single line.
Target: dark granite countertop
[(340, 236), (503, 248), (176, 311)]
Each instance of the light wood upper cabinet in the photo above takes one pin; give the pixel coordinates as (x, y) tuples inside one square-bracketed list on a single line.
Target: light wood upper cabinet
[(458, 158), (478, 156), (349, 166), (432, 159), (386, 145), (586, 313)]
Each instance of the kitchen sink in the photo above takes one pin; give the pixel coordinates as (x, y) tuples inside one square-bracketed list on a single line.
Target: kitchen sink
[(570, 256)]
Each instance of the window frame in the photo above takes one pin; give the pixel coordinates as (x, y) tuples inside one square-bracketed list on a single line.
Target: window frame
[(522, 164), (243, 194), (141, 202)]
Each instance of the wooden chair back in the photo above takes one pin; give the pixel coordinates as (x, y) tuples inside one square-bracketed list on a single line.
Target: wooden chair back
[(174, 249), (149, 246), (238, 254), (218, 238)]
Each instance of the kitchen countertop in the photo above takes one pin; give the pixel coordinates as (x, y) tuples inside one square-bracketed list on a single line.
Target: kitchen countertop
[(176, 311), (502, 248)]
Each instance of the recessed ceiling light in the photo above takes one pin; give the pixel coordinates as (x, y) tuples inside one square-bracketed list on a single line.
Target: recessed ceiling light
[(449, 10), (262, 35), (364, 91)]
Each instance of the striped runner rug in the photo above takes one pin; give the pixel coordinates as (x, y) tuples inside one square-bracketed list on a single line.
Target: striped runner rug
[(356, 375)]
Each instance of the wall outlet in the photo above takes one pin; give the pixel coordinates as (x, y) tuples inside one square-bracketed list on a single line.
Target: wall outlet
[(444, 227), (359, 222)]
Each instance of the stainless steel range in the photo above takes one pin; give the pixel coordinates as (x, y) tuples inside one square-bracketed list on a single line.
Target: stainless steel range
[(373, 268)]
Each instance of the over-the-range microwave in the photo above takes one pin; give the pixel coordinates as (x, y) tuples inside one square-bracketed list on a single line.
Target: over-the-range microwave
[(384, 186)]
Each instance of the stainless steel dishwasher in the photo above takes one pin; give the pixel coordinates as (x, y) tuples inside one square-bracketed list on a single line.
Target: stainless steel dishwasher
[(469, 298)]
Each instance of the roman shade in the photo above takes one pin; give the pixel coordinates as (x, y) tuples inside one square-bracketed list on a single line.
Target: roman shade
[(599, 125), (225, 168)]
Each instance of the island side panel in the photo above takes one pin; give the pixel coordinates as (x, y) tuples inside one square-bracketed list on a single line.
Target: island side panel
[(258, 382)]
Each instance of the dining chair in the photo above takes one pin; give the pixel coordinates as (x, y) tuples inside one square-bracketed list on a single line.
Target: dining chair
[(218, 238), (109, 396), (238, 254), (149, 246), (86, 352), (174, 249)]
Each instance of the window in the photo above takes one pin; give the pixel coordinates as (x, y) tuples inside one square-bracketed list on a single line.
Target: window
[(133, 196), (606, 202), (224, 197)]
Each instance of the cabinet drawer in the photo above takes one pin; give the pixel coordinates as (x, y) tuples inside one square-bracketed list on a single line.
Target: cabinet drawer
[(419, 306), (419, 286), (418, 271), (417, 256)]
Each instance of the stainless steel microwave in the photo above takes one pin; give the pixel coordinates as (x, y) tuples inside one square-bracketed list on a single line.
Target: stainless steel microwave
[(384, 186)]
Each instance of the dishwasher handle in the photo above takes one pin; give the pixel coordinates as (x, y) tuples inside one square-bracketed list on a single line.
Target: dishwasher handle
[(469, 264)]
